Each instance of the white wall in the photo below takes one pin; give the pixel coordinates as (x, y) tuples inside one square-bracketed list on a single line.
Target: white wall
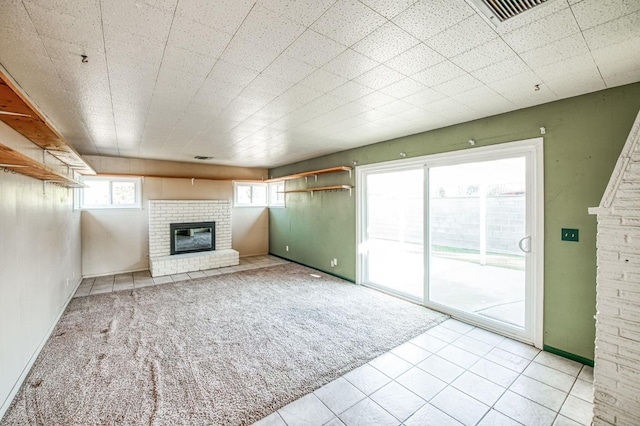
[(39, 263), (116, 241)]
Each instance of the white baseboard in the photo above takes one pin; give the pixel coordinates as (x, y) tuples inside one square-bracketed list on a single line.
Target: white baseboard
[(25, 372)]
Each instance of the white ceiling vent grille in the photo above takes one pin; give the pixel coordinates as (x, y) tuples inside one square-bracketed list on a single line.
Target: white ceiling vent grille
[(501, 10)]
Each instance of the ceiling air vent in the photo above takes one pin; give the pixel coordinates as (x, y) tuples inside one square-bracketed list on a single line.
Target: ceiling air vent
[(501, 10), (202, 157)]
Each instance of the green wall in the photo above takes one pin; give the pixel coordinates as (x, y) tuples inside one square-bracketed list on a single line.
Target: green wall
[(584, 137)]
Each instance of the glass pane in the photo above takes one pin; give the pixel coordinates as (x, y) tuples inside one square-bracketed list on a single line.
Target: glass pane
[(276, 195), (123, 192), (97, 193), (243, 194), (476, 218), (395, 233), (259, 195)]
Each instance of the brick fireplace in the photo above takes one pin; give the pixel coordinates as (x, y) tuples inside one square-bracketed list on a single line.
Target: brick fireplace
[(163, 213)]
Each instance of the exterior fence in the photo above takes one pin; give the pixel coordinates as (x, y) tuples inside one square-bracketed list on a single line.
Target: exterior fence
[(455, 223)]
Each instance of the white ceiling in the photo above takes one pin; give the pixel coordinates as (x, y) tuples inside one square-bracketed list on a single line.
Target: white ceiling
[(269, 82)]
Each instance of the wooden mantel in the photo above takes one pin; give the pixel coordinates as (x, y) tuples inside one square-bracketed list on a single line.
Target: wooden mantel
[(32, 125)]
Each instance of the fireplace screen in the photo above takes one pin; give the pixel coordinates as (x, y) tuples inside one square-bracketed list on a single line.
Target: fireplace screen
[(192, 237)]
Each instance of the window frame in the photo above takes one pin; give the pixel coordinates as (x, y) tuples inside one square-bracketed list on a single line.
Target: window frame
[(274, 203), (237, 185), (136, 180)]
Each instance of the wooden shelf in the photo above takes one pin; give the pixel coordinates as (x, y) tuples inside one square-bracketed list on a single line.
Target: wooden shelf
[(321, 188), (35, 127), (312, 173), (20, 163)]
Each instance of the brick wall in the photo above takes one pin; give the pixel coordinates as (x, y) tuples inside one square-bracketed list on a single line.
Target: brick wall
[(617, 355), (162, 213)]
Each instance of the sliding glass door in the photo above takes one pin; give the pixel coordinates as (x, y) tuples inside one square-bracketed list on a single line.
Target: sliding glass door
[(459, 233), (395, 231), (477, 223)]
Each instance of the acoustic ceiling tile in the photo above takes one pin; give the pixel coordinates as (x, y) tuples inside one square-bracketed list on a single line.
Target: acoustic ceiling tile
[(518, 83), (232, 73), (425, 97), (413, 114), (458, 85), (191, 35), (247, 54), (187, 61), (568, 68), (14, 15), (299, 95), (350, 64), (80, 26), (616, 65), (415, 59), (373, 115), (266, 28), (379, 77), (579, 85), (426, 18), (572, 76), (613, 32), (438, 74), (446, 106), (590, 13), (552, 28), (350, 91), (323, 81), (314, 48), (465, 35), (403, 88), (375, 99), (130, 52), (387, 8), (500, 70), (304, 12), (74, 74), (288, 69), (484, 55), (484, 98), (225, 15), (385, 42), (269, 84), (137, 18), (556, 51), (347, 22), (524, 99), (396, 107)]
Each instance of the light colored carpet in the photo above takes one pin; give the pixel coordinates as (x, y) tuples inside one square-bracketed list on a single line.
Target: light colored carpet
[(222, 350)]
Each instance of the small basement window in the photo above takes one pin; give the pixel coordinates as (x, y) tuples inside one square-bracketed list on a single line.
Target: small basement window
[(276, 194), (250, 194), (109, 192)]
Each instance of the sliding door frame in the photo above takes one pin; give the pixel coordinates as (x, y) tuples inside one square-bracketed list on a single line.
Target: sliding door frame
[(535, 187)]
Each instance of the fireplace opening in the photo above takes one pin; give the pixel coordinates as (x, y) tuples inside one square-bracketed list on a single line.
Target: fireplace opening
[(192, 237)]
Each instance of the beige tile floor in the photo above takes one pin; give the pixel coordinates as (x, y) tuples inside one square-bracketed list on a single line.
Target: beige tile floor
[(110, 283), (454, 374)]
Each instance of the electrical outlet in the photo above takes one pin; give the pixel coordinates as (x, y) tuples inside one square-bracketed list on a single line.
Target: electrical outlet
[(569, 234), (335, 262), (332, 264), (287, 248)]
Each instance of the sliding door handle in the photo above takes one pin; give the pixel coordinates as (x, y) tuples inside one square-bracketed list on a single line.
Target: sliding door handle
[(525, 248)]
